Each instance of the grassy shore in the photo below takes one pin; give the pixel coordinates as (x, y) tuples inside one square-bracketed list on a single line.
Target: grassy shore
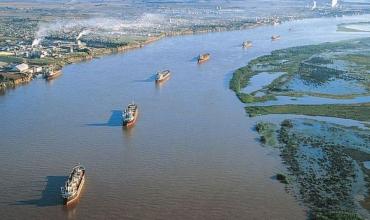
[(360, 112)]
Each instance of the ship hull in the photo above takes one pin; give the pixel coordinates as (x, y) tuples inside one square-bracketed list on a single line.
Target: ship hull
[(203, 58), (55, 75), (163, 79), (70, 200)]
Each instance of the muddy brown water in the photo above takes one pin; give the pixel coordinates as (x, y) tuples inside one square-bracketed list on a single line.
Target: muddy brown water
[(193, 153)]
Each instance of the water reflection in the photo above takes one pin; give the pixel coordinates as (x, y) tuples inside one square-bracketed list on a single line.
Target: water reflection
[(50, 196), (71, 208), (128, 132), (159, 85), (50, 82)]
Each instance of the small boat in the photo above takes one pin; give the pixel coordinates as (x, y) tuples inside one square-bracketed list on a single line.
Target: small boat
[(247, 44), (163, 75), (73, 186), (275, 37), (203, 57), (129, 115)]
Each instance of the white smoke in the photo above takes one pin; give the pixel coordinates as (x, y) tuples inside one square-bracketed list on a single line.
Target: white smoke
[(314, 5), (36, 42), (334, 3), (84, 32), (40, 35), (146, 23)]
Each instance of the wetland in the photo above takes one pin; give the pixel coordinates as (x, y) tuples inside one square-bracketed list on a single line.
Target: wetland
[(326, 162)]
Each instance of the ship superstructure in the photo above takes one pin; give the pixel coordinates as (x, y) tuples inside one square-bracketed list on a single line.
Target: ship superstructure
[(73, 186), (275, 37), (247, 44), (203, 57), (129, 115), (163, 75)]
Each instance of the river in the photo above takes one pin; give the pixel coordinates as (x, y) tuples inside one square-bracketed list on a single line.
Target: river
[(193, 153)]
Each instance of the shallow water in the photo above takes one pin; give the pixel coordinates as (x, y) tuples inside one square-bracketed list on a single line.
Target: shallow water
[(278, 118), (312, 100), (192, 155), (359, 27), (332, 87), (260, 80)]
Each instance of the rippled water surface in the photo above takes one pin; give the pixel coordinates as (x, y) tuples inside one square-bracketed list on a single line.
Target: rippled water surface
[(192, 155)]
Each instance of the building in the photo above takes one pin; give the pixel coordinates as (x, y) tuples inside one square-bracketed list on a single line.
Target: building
[(21, 68), (36, 69)]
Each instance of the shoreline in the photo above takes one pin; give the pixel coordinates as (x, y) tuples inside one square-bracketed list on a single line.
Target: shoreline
[(22, 78), (100, 52)]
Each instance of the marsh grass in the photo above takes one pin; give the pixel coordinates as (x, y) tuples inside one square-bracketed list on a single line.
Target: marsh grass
[(359, 112), (314, 64)]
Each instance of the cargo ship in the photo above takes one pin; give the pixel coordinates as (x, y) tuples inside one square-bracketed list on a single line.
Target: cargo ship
[(275, 37), (163, 75), (73, 186), (247, 44), (129, 115), (203, 57), (52, 74)]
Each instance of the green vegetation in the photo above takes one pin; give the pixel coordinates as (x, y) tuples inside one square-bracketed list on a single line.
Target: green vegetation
[(282, 178), (241, 78), (42, 61), (360, 112), (267, 132), (321, 159), (334, 215), (248, 98), (11, 59), (343, 64)]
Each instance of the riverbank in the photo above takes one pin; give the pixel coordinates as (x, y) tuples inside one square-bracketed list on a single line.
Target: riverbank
[(140, 40), (91, 52), (12, 80)]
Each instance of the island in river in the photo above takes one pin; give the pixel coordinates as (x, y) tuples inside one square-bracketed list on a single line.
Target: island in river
[(326, 162)]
